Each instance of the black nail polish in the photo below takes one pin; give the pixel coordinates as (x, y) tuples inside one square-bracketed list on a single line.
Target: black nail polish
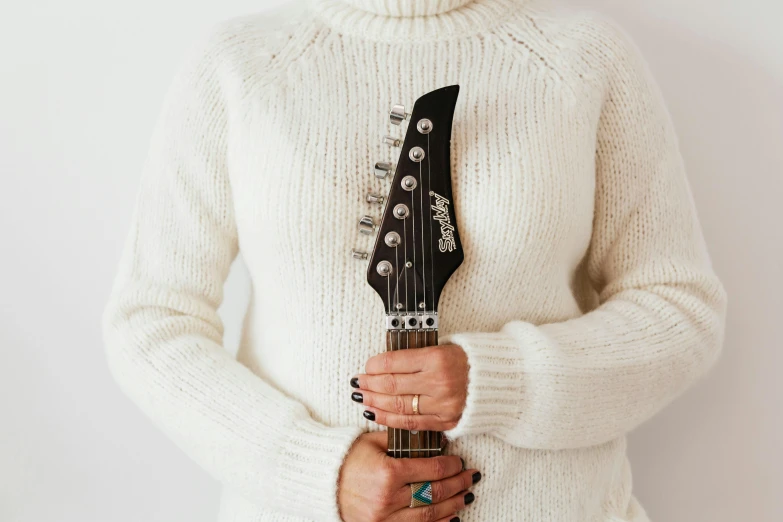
[(455, 519), (369, 415), (463, 463), (357, 397), (470, 497), (355, 382), (476, 476)]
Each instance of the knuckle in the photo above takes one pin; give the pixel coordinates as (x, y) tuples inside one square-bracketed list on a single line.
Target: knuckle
[(399, 404), (439, 468), (450, 386), (386, 361), (410, 423), (390, 384), (449, 424), (388, 473), (438, 491), (427, 514), (451, 405), (441, 390), (442, 359), (456, 464), (385, 498)]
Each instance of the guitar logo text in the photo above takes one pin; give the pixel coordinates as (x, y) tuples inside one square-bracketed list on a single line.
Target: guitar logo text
[(441, 208)]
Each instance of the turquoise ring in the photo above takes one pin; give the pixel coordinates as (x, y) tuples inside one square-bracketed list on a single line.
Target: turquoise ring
[(421, 494)]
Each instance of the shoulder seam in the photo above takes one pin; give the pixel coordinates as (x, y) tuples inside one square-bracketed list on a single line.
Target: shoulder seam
[(280, 45)]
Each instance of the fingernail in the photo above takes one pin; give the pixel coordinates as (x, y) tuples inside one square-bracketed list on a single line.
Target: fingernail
[(357, 397), (476, 476), (455, 519), (470, 497), (369, 415), (355, 382), (463, 463)]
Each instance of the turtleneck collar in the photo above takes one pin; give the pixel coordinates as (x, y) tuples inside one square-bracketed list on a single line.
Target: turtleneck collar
[(398, 21), (401, 8)]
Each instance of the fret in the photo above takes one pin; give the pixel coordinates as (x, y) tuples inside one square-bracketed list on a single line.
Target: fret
[(404, 443)]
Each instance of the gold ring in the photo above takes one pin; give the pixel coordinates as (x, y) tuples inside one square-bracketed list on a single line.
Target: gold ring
[(416, 404)]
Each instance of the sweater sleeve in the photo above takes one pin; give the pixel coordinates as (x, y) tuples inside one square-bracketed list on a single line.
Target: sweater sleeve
[(163, 335), (660, 316)]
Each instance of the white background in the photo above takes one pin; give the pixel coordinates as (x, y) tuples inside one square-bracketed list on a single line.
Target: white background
[(81, 83)]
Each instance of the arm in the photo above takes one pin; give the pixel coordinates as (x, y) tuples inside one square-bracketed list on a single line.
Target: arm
[(163, 334), (659, 323)]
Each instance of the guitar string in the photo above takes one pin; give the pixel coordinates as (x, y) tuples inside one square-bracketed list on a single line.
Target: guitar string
[(407, 301), (407, 347), (429, 223), (432, 257), (390, 343), (415, 289), (423, 270), (397, 298)]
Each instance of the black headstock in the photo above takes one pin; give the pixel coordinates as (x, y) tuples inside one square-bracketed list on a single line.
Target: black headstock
[(418, 247)]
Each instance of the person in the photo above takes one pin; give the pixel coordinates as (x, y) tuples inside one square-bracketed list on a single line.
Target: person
[(586, 302)]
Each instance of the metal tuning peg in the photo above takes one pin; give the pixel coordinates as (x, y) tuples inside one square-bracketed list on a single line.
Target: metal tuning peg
[(375, 198), (382, 169), (356, 254), (391, 141), (367, 225), (397, 114)]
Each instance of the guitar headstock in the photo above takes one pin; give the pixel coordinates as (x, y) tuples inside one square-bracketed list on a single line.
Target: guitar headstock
[(417, 247)]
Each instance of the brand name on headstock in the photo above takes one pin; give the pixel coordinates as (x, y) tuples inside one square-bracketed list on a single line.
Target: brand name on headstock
[(446, 242)]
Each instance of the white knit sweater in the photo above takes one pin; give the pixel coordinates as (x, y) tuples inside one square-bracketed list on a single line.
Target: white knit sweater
[(586, 301)]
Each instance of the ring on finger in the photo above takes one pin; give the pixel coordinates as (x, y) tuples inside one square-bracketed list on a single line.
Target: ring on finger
[(421, 494), (415, 404)]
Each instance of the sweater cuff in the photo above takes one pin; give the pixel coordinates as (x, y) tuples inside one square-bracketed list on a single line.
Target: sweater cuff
[(309, 468), (495, 383)]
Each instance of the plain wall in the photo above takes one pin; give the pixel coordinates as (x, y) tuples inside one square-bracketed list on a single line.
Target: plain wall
[(81, 83)]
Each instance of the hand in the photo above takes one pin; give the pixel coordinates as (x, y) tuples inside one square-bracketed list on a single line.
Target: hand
[(438, 374), (374, 487)]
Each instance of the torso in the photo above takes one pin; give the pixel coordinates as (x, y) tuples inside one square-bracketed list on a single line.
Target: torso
[(523, 148)]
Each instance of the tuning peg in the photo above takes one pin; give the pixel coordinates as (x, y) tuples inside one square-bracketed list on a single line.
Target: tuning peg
[(374, 198), (397, 114), (367, 225), (382, 169), (356, 254), (391, 141)]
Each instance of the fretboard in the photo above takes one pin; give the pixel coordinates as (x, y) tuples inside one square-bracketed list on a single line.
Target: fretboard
[(404, 443)]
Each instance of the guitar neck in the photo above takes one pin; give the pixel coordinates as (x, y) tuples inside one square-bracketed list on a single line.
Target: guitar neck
[(405, 443)]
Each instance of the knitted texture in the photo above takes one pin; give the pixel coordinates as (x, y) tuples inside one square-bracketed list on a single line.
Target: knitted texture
[(585, 304)]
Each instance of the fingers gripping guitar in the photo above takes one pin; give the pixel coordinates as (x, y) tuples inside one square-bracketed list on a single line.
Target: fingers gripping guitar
[(375, 487), (436, 374)]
